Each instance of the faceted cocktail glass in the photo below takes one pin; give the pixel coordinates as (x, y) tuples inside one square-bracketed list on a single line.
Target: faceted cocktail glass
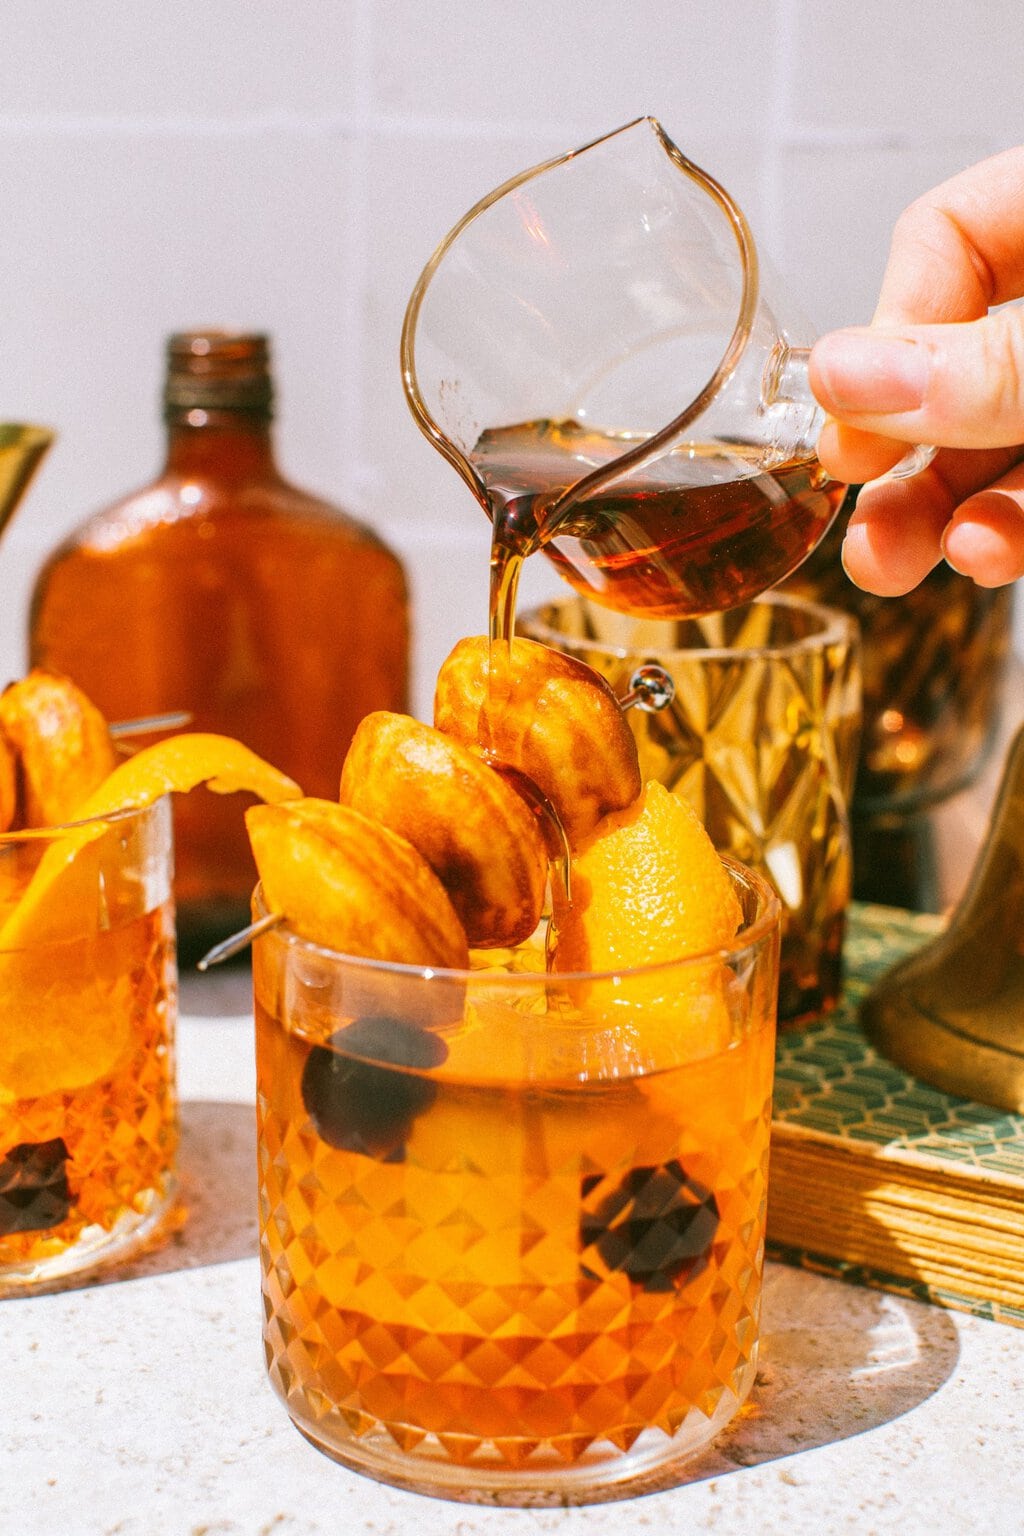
[(512, 1222), (88, 992)]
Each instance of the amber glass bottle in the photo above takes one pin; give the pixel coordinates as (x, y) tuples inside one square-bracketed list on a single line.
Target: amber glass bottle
[(224, 590)]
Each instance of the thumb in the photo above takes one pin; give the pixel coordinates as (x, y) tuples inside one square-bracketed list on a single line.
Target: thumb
[(957, 386)]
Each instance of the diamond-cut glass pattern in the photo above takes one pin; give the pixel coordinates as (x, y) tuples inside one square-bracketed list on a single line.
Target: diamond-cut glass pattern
[(119, 1132), (461, 1304), (761, 739)]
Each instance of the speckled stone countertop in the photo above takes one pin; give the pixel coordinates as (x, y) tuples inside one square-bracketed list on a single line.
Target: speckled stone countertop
[(139, 1406)]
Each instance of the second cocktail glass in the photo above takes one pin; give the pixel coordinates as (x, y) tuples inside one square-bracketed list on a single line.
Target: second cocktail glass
[(761, 739), (88, 996)]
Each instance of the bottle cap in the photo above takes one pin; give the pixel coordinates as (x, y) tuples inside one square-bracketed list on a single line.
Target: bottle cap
[(218, 371)]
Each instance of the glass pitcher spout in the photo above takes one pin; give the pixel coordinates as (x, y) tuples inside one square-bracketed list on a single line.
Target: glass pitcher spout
[(21, 449)]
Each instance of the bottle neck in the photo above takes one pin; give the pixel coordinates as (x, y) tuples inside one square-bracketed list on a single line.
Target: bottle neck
[(218, 403), (225, 445)]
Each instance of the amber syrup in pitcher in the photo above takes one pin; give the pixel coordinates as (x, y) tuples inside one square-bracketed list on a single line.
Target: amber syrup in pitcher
[(702, 529)]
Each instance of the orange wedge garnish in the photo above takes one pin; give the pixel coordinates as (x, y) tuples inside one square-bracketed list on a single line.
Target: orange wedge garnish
[(649, 888)]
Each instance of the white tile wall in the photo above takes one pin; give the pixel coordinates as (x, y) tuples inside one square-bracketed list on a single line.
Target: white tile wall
[(917, 72), (291, 166)]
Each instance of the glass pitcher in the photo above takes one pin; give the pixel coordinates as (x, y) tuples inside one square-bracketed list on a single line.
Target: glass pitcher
[(599, 352)]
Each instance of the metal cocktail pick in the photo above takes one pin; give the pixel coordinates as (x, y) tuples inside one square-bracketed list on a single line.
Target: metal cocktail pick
[(173, 720), (227, 948), (650, 689)]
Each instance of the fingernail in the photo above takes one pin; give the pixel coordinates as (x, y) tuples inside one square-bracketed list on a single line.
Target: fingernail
[(949, 558), (860, 370)]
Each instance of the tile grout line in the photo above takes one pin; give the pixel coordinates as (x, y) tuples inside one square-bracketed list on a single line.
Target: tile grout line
[(360, 129), (387, 125)]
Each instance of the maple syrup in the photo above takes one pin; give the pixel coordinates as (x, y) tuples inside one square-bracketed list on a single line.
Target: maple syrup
[(702, 529)]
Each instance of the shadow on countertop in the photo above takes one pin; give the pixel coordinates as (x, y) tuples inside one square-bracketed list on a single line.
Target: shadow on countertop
[(837, 1359), (215, 1221), (224, 991)]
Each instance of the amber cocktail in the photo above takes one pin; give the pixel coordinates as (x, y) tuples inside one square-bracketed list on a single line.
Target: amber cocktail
[(512, 1221), (88, 1122)]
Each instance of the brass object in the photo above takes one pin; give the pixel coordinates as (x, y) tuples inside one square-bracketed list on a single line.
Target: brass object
[(21, 448), (953, 1014)]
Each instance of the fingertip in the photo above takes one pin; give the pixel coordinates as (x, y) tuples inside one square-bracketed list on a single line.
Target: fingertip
[(854, 457), (893, 539), (865, 371), (985, 539), (829, 451), (871, 568)]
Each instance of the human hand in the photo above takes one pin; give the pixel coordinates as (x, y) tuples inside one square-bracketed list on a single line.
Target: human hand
[(936, 367)]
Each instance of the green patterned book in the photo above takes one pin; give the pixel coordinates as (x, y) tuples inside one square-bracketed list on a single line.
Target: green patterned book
[(877, 1177)]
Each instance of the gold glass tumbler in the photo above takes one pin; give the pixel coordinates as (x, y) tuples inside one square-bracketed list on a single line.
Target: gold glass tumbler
[(761, 738)]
